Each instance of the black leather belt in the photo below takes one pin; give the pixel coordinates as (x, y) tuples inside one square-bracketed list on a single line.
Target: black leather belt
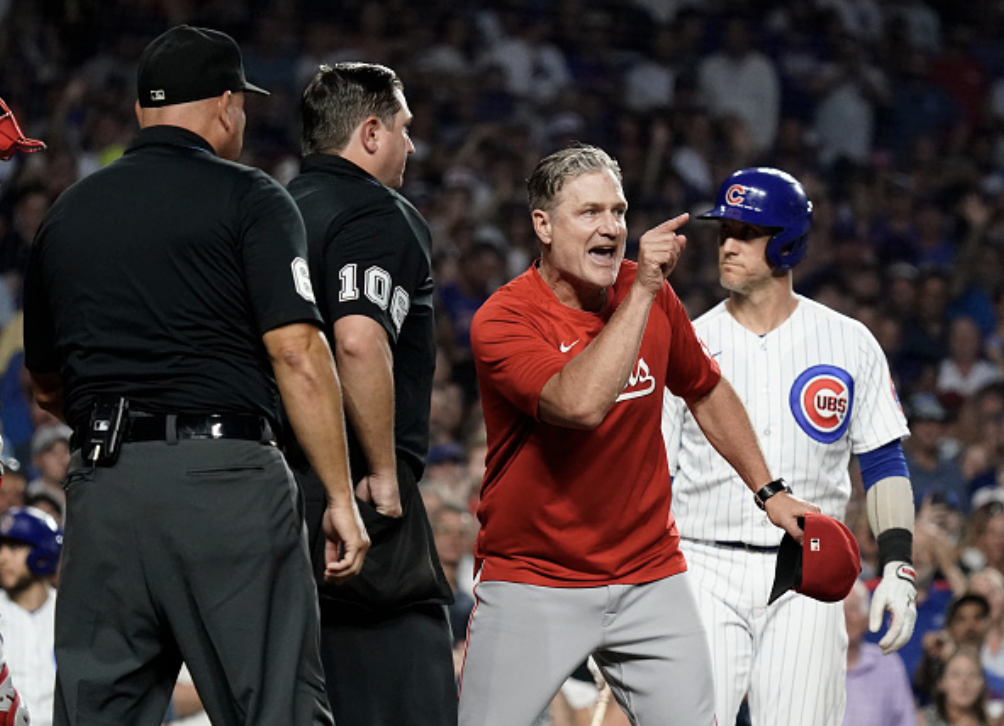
[(761, 549), (194, 426)]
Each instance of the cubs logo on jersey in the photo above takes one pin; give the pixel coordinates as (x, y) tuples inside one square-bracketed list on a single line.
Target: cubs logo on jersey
[(821, 400)]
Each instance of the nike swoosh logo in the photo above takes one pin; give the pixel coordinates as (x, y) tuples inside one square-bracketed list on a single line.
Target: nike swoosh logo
[(565, 348), (715, 355)]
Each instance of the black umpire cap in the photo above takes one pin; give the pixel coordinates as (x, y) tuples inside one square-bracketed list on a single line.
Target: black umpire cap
[(189, 64)]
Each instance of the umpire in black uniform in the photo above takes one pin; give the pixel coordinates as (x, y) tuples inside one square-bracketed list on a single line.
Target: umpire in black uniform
[(386, 643), (168, 304)]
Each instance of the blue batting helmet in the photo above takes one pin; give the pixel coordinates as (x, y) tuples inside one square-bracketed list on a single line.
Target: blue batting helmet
[(768, 198), (37, 528)]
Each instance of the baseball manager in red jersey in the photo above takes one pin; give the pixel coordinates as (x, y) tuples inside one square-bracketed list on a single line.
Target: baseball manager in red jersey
[(578, 554)]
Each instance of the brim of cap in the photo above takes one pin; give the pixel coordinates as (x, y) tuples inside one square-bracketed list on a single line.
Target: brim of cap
[(788, 570), (735, 213), (252, 88), (715, 213)]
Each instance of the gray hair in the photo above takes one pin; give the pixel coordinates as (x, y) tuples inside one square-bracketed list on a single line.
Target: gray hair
[(550, 174)]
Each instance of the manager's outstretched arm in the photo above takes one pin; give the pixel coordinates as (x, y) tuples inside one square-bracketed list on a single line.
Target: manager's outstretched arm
[(582, 393)]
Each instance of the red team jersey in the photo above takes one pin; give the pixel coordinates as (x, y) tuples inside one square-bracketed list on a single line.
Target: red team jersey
[(564, 507)]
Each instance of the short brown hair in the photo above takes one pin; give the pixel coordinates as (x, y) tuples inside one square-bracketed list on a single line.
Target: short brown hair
[(342, 96)]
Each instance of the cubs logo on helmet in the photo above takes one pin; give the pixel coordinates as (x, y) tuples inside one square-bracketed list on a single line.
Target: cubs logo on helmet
[(821, 401), (735, 194)]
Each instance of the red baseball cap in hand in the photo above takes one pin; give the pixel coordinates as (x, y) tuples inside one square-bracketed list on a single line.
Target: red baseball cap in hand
[(12, 139), (823, 567)]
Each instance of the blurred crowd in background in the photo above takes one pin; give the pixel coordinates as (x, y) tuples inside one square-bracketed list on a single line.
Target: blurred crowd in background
[(890, 113)]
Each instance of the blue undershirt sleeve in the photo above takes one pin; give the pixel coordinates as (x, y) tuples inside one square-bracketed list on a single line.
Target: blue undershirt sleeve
[(883, 462)]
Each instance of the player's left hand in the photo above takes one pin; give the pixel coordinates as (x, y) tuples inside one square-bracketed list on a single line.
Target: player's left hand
[(783, 510), (896, 593)]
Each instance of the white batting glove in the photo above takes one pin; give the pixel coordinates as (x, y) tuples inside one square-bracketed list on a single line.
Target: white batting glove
[(13, 711), (896, 593)]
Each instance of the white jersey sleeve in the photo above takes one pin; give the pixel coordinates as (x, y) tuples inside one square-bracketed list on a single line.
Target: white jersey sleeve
[(817, 390)]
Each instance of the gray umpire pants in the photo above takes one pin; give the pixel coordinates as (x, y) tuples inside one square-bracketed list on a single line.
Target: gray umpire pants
[(648, 640), (189, 551)]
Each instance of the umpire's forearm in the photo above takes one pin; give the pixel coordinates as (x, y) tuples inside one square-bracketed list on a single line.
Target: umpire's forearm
[(308, 383), (366, 368), (723, 419)]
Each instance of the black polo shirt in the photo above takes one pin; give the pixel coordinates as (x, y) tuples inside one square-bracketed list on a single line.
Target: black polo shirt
[(156, 277), (370, 254)]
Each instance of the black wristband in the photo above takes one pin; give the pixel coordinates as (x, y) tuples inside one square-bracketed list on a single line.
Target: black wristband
[(895, 545), (768, 490)]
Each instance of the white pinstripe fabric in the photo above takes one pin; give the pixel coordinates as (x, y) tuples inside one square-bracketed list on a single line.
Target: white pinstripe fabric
[(710, 502), (791, 657), (783, 656), (29, 644)]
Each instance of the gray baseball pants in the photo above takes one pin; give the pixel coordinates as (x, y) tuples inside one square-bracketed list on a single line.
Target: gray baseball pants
[(648, 640)]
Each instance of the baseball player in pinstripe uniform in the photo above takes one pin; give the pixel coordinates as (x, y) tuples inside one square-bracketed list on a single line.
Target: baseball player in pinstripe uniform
[(817, 389)]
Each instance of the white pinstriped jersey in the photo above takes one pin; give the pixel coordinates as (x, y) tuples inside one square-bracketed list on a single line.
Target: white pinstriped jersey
[(816, 389), (29, 644)]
